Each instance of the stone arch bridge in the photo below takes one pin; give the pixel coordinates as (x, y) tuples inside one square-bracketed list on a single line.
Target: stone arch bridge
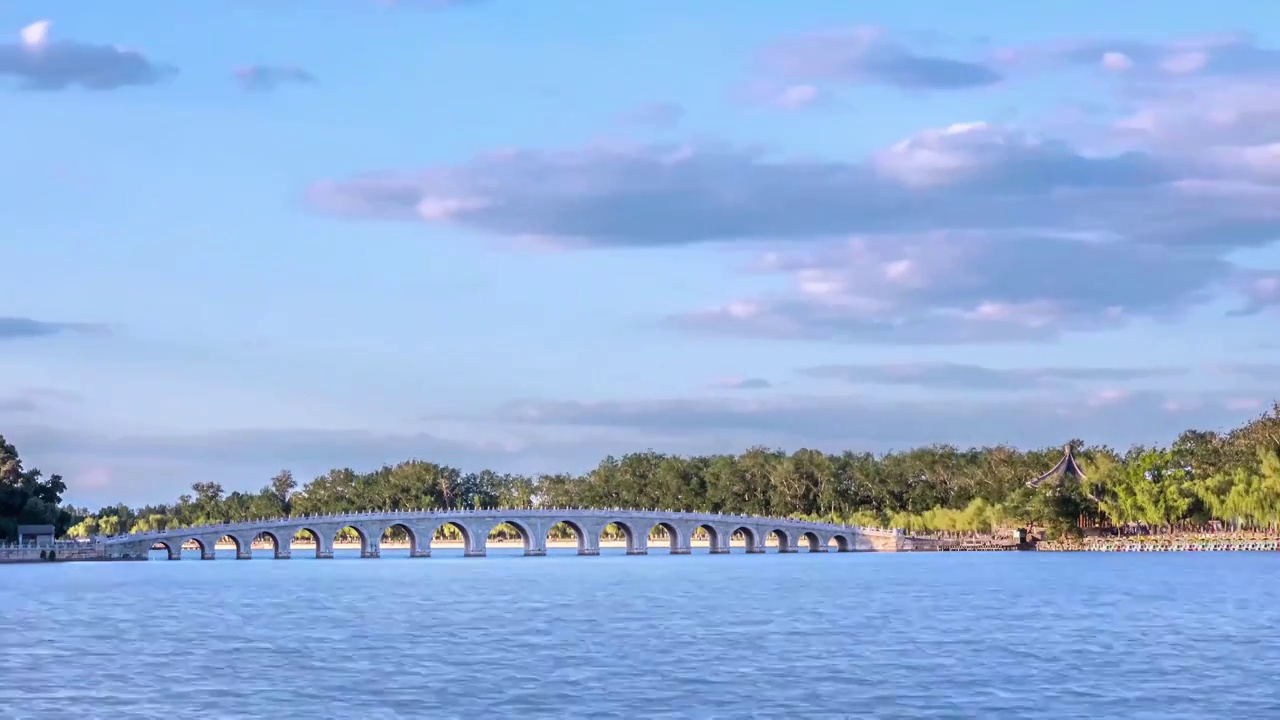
[(533, 525)]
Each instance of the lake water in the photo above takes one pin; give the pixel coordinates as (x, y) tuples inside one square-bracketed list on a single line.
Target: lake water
[(953, 635)]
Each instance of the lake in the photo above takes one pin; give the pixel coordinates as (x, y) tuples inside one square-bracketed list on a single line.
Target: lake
[(944, 635)]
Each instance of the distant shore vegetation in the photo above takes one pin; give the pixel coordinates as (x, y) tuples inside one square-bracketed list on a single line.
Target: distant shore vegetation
[(27, 497), (1202, 477)]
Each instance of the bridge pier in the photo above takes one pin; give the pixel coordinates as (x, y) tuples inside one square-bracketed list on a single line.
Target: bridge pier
[(535, 540), (787, 549), (244, 553), (283, 554), (208, 545), (482, 552), (417, 553), (638, 542)]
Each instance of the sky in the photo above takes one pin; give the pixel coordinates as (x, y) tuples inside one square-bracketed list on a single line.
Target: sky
[(247, 235)]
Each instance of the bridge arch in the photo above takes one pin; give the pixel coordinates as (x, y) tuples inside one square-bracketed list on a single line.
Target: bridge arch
[(361, 536), (576, 528), (390, 534), (528, 539), (784, 539), (206, 545), (674, 538), (842, 542), (717, 541), (580, 534), (324, 548), (280, 549), (240, 548), (629, 535), (172, 548), (749, 539), (443, 530), (810, 539)]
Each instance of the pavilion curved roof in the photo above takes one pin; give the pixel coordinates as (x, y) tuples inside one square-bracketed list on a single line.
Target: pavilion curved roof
[(1067, 466)]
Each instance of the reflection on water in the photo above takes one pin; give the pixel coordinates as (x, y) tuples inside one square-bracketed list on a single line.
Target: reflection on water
[(804, 636)]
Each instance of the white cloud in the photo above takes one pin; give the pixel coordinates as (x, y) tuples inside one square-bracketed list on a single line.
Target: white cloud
[(960, 376), (838, 423), (263, 78), (35, 34), (44, 64), (971, 232), (868, 55)]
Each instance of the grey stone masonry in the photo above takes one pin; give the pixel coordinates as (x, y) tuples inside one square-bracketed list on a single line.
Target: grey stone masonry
[(475, 526)]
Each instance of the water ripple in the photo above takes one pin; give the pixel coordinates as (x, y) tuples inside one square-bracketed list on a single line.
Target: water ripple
[(865, 636)]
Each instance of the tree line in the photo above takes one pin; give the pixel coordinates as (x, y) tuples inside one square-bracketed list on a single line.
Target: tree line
[(27, 497), (1203, 476)]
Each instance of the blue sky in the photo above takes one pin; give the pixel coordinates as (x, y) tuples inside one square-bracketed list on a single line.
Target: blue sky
[(248, 235)]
